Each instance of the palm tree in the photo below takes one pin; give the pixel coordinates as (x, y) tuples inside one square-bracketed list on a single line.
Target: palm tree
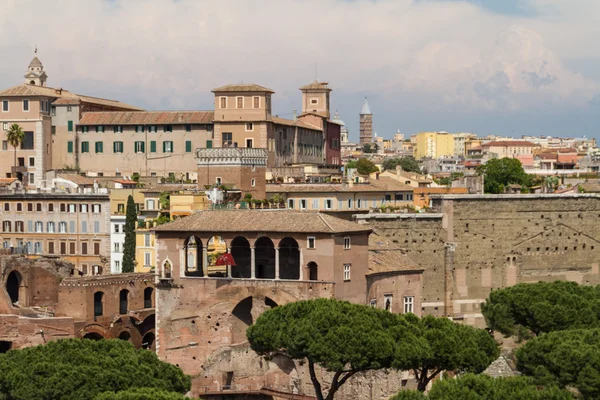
[(15, 136)]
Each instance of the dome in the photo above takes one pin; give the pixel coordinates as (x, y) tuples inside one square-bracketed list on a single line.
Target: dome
[(337, 120)]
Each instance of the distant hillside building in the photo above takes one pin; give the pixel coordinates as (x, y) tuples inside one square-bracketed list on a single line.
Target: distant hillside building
[(366, 124)]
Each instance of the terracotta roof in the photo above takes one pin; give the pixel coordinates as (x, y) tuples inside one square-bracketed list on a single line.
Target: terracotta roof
[(171, 187), (316, 86), (386, 256), (248, 87), (67, 101), (262, 221), (381, 185), (300, 124), (77, 179), (7, 181), (147, 118), (509, 143), (125, 182), (106, 102)]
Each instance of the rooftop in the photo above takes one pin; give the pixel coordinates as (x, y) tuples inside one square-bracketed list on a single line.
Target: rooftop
[(147, 118), (509, 143), (77, 179), (300, 124), (386, 256), (316, 85), (282, 221), (376, 185), (247, 87)]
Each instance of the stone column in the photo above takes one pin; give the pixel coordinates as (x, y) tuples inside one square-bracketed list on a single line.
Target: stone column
[(204, 261), (301, 265), (252, 263), (276, 262), (229, 266)]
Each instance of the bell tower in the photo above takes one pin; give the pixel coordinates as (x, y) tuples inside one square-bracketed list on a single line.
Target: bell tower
[(315, 98), (35, 74)]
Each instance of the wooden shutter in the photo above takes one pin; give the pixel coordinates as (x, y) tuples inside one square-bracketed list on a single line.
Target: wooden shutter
[(152, 146), (96, 248), (188, 146)]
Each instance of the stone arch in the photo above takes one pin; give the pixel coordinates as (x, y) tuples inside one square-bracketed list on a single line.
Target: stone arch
[(123, 301), (124, 335), (241, 253), (93, 336), (98, 304), (5, 346), (264, 258), (14, 287), (242, 319), (148, 341), (192, 248), (289, 259), (215, 247), (149, 297), (313, 270)]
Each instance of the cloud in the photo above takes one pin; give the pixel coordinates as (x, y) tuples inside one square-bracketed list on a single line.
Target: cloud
[(170, 54)]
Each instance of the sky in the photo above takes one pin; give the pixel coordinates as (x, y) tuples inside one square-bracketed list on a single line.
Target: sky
[(504, 67)]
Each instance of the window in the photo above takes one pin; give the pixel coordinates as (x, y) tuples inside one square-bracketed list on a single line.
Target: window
[(387, 302), (117, 147), (139, 128), (6, 226), (62, 227), (25, 105), (388, 197), (6, 206), (53, 110), (96, 248), (223, 101), (32, 161), (150, 204), (253, 182), (152, 128), (84, 249), (71, 247), (409, 304), (98, 304), (256, 102), (188, 127), (100, 128), (249, 143), (117, 247), (39, 227), (63, 207), (373, 303), (347, 272), (5, 126), (147, 262), (96, 227), (315, 204), (72, 226), (349, 203), (399, 197), (167, 147), (5, 145), (117, 226), (116, 129), (188, 146), (311, 242), (152, 146), (290, 203), (209, 144), (303, 204), (50, 207), (227, 139), (120, 208), (99, 147), (69, 108), (148, 297), (328, 204), (70, 126), (147, 239), (19, 207), (29, 207), (96, 208), (359, 203), (5, 105), (347, 243), (83, 208), (85, 147), (139, 147), (118, 266), (85, 129), (50, 247), (123, 295), (249, 126), (37, 247), (168, 128), (28, 141), (69, 146), (29, 226), (50, 227), (314, 101), (240, 102), (72, 208), (83, 226)]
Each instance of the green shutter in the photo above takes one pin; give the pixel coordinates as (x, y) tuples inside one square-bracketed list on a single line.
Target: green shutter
[(143, 147), (209, 144), (70, 126), (69, 147), (188, 128), (114, 147), (164, 147), (85, 147), (152, 146), (99, 147), (188, 146)]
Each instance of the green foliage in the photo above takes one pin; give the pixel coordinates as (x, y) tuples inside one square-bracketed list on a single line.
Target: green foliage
[(248, 197), (483, 387), (135, 177), (141, 394), (566, 358), (445, 346), (129, 246), (365, 166), (14, 137), (351, 164), (370, 148), (164, 199), (76, 369), (542, 307), (407, 163), (342, 337), (501, 172)]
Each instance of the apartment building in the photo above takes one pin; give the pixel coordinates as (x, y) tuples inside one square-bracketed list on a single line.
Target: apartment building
[(48, 117), (74, 226), (434, 145), (508, 148)]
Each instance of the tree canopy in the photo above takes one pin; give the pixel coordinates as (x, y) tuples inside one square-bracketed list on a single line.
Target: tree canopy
[(501, 172), (141, 394), (129, 245), (445, 346), (483, 387), (542, 307), (407, 163), (566, 358), (81, 369), (363, 166), (343, 338)]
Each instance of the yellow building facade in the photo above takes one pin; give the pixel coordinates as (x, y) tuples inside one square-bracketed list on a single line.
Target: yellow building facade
[(433, 145), (145, 250)]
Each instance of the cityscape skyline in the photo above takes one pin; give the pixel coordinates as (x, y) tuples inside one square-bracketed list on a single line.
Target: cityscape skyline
[(521, 69)]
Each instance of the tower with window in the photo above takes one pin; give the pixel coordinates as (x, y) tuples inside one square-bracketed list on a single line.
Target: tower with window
[(315, 98), (35, 74)]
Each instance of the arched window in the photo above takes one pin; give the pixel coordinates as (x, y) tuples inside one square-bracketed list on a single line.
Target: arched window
[(124, 335), (123, 298), (98, 306), (264, 258), (193, 257), (148, 341), (312, 271), (148, 293), (289, 259), (13, 286), (241, 253)]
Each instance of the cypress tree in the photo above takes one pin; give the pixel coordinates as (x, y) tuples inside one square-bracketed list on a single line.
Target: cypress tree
[(129, 246)]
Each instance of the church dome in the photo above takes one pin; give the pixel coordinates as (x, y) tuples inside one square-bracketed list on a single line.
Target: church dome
[(337, 120)]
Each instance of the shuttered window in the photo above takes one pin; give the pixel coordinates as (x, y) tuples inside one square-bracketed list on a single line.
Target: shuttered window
[(70, 126), (117, 147), (153, 146), (139, 147), (99, 147), (188, 146), (69, 147), (85, 147)]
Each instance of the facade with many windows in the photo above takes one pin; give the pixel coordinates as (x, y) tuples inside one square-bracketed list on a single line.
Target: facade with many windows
[(75, 227)]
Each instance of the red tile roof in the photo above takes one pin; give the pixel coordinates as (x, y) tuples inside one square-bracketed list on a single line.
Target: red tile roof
[(509, 143), (147, 118)]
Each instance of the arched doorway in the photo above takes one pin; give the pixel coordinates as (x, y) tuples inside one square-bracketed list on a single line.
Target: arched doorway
[(264, 251), (216, 247), (123, 301), (312, 271), (193, 256), (242, 319), (13, 286), (148, 294), (148, 341), (289, 259), (125, 335), (241, 253), (93, 336)]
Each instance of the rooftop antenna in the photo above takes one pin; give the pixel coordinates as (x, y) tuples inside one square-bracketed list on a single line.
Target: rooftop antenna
[(35, 50)]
